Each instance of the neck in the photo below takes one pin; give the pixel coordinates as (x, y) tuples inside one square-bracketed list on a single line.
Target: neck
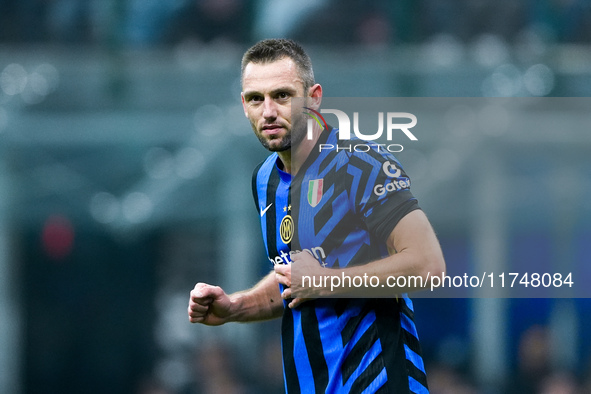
[(294, 157)]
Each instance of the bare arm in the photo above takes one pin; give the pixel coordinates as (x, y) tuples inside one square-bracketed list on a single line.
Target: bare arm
[(417, 254), (211, 306)]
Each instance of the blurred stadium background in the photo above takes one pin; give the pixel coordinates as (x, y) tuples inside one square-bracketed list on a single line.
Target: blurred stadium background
[(125, 165)]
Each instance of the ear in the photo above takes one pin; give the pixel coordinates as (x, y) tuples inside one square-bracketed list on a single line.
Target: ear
[(243, 104), (315, 96)]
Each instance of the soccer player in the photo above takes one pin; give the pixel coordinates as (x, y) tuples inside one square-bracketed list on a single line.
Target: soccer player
[(325, 204)]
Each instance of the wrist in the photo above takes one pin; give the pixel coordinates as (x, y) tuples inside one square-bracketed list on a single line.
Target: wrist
[(235, 307)]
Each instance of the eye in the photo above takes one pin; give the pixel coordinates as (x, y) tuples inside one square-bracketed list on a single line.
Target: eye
[(254, 98), (283, 95)]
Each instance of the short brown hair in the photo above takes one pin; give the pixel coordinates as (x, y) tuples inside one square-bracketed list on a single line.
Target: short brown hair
[(270, 50)]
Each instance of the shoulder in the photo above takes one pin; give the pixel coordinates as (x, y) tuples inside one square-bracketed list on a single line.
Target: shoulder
[(261, 175), (354, 156), (366, 155)]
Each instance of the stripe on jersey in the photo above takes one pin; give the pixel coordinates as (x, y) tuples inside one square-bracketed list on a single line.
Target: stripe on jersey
[(282, 201), (311, 334), (292, 384), (265, 177)]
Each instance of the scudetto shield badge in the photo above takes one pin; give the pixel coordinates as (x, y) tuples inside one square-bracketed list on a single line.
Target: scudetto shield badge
[(315, 191)]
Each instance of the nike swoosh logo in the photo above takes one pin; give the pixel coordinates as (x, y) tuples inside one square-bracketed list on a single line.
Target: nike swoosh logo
[(266, 209)]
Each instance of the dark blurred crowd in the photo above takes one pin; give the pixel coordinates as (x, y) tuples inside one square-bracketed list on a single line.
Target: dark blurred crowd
[(153, 23), (216, 371), (533, 371)]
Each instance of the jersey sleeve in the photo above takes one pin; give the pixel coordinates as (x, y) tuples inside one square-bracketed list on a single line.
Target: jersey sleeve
[(383, 195)]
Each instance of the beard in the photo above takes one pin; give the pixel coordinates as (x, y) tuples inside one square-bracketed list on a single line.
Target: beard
[(276, 144), (293, 136)]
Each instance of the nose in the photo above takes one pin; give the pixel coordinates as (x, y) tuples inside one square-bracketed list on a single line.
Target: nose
[(269, 108)]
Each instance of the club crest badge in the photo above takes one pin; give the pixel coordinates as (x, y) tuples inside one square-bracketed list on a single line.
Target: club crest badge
[(286, 229)]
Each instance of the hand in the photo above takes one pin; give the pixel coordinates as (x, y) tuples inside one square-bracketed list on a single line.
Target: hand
[(209, 305), (305, 264)]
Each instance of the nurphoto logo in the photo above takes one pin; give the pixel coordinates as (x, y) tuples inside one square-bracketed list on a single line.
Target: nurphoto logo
[(393, 125)]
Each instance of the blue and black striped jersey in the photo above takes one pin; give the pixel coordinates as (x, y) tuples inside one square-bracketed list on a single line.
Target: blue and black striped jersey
[(341, 206)]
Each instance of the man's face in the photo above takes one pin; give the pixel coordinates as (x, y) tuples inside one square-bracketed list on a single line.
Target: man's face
[(266, 97)]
